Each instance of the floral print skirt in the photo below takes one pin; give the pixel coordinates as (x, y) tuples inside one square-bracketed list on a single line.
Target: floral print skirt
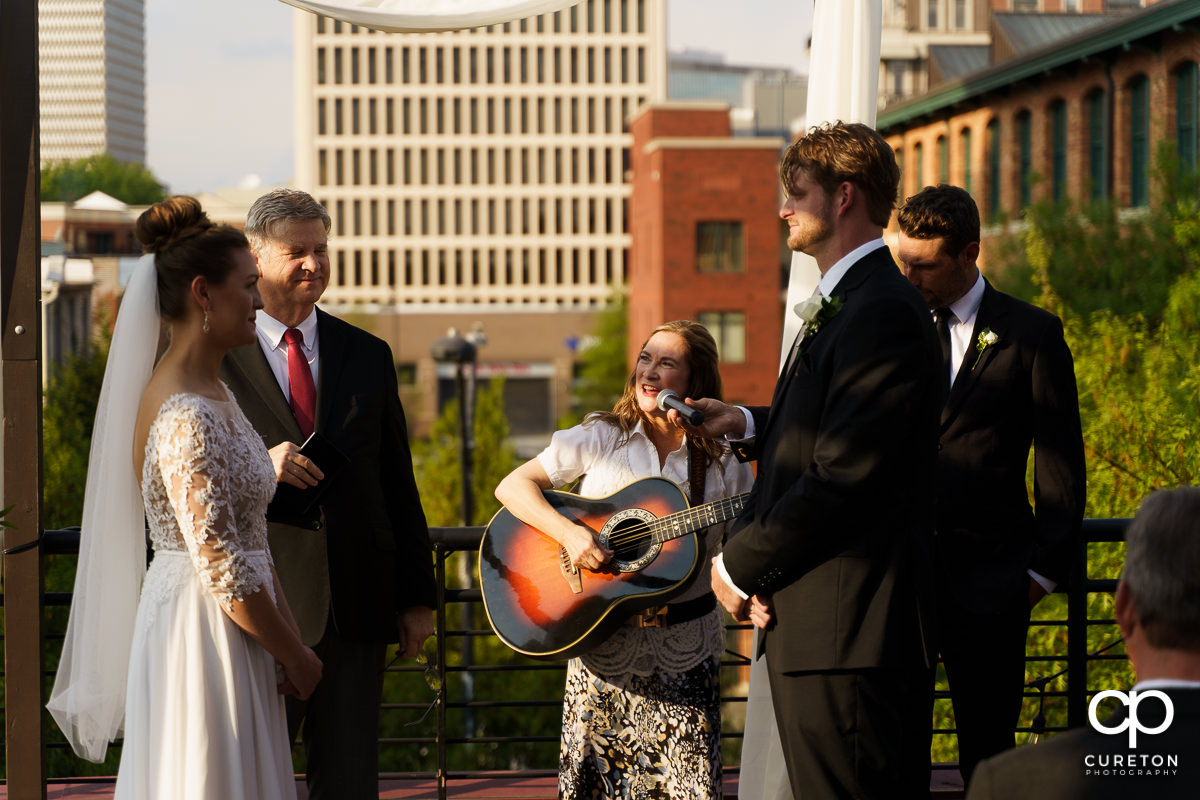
[(641, 737)]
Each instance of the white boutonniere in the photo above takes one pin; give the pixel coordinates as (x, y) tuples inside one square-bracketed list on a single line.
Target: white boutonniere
[(982, 342), (816, 311)]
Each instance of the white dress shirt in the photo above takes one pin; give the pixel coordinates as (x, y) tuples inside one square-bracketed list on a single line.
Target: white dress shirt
[(270, 338), (594, 452), (965, 309)]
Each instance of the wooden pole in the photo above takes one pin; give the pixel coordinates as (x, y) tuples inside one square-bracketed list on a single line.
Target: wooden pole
[(20, 398)]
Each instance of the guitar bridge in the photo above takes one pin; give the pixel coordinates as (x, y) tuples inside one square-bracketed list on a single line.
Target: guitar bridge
[(574, 578)]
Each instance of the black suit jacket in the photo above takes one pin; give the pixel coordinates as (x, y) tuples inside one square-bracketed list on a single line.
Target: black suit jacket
[(1056, 768), (369, 556), (1016, 393), (838, 523)]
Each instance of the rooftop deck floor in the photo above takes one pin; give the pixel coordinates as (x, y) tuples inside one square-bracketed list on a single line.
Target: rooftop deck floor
[(945, 784)]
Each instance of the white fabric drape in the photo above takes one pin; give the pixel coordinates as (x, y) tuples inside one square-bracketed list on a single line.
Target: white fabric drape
[(843, 84), (424, 16), (763, 774), (88, 699)]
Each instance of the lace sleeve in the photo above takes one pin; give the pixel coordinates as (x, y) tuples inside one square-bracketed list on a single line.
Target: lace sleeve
[(192, 459)]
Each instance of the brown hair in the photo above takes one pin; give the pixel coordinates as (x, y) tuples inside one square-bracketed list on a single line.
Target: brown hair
[(705, 381), (185, 243), (941, 212), (837, 152)]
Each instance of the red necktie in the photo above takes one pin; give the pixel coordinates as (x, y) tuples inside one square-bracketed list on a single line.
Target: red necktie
[(300, 380)]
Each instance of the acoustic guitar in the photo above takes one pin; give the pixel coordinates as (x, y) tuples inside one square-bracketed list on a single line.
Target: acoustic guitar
[(540, 608)]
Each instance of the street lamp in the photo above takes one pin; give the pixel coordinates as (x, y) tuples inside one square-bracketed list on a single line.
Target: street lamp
[(454, 349), (461, 353)]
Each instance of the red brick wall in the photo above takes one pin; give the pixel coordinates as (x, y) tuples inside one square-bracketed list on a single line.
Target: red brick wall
[(676, 187), (1037, 96)]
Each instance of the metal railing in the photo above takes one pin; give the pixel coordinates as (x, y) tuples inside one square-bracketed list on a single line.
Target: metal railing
[(454, 749)]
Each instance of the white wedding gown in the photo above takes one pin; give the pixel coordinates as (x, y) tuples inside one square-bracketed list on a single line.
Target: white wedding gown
[(203, 718)]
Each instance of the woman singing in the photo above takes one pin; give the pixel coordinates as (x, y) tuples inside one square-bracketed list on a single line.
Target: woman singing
[(642, 714)]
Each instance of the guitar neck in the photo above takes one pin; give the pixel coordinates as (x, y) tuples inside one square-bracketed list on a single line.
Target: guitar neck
[(682, 523)]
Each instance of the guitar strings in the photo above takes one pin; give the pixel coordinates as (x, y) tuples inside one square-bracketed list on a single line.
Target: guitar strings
[(636, 533)]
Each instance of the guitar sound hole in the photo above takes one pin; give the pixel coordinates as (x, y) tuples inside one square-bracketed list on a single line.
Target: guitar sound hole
[(629, 540), (630, 535)]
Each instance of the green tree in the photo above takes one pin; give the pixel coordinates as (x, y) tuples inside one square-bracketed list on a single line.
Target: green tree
[(68, 411), (438, 467), (1139, 387), (1103, 257), (603, 365), (439, 479), (69, 180)]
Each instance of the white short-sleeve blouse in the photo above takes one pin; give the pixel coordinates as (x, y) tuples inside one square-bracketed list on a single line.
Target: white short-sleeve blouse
[(592, 451)]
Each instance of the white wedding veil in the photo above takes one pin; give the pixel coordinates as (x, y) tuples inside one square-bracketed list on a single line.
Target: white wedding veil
[(88, 699)]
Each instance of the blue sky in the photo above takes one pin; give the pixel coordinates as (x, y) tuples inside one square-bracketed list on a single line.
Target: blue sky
[(219, 84)]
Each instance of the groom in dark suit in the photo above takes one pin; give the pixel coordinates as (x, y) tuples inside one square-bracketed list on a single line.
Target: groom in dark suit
[(1012, 386), (1158, 610), (357, 570), (831, 554)]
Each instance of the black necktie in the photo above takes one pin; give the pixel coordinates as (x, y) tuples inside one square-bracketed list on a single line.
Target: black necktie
[(944, 318)]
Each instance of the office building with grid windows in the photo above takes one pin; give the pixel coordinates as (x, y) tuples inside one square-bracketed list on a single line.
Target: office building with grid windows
[(92, 79), (478, 176)]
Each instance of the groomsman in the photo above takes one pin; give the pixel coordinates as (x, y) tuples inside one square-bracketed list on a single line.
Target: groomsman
[(832, 550), (1011, 387)]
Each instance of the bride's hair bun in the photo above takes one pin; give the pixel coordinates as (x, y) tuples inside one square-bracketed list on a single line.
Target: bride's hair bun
[(165, 224), (185, 243)]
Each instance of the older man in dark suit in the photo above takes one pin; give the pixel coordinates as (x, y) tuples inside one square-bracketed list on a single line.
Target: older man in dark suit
[(1138, 751), (831, 552), (357, 568), (1012, 386)]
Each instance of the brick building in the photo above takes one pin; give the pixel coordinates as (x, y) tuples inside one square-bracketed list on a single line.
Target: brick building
[(926, 43), (1080, 117), (706, 238)]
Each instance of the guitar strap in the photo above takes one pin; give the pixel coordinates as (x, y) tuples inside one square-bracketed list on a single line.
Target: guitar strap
[(697, 469), (660, 616)]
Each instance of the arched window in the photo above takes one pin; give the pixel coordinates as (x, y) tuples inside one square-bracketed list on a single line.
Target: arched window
[(943, 155), (1058, 150), (918, 167), (993, 176), (1024, 158), (1097, 146), (1139, 141), (968, 174), (1187, 87)]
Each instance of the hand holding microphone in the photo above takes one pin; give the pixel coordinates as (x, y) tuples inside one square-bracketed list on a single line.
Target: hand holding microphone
[(669, 398)]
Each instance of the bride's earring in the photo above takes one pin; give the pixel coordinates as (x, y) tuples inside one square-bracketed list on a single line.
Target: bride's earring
[(206, 327)]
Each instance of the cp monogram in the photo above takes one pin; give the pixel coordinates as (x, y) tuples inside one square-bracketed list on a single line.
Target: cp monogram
[(1131, 722)]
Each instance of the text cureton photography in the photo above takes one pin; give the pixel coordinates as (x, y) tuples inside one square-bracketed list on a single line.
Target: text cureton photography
[(1149, 723)]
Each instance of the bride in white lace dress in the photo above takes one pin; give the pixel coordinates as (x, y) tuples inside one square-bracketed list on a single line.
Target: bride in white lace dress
[(213, 644)]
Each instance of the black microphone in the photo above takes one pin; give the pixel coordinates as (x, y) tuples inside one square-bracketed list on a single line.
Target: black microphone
[(669, 398)]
